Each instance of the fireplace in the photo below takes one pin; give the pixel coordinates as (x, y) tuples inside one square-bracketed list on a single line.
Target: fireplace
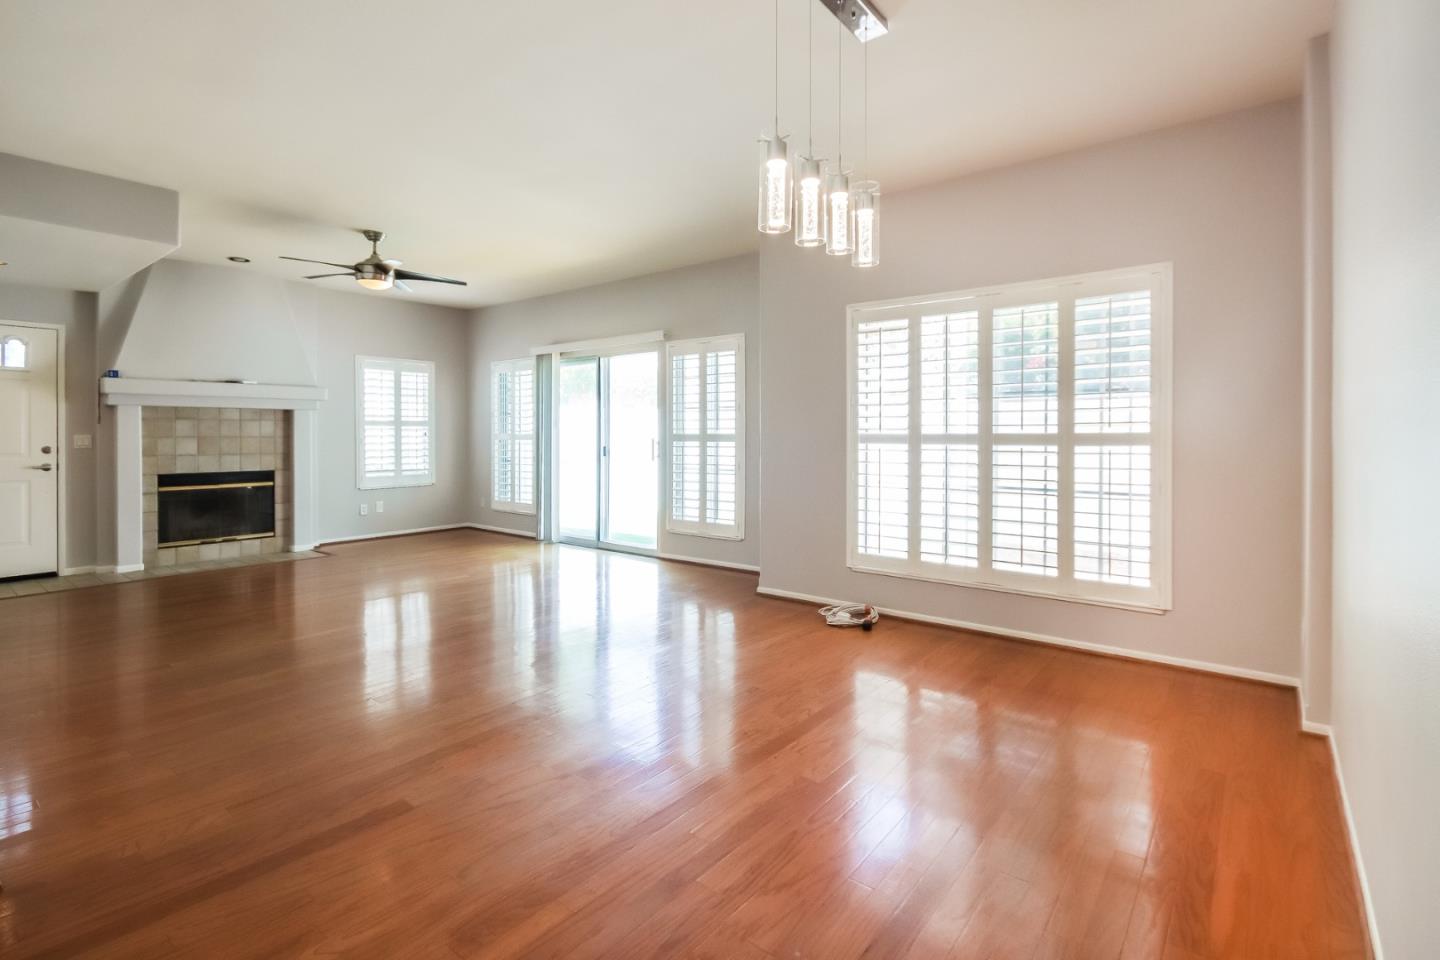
[(216, 507), (210, 448)]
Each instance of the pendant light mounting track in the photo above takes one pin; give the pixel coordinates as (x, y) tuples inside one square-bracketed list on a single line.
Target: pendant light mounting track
[(860, 17)]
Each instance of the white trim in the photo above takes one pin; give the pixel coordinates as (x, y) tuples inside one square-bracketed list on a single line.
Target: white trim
[(601, 345), (77, 571), (121, 391), (397, 479), (1318, 729), (127, 568), (62, 439), (508, 531), (1015, 589), (1064, 586), (1124, 653), (386, 534), (1355, 854), (702, 561)]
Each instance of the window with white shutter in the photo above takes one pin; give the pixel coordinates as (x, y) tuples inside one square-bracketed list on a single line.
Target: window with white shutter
[(395, 423), (707, 437), (1016, 438), (512, 431)]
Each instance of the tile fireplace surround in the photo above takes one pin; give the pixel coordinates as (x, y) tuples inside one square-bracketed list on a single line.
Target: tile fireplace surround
[(144, 409), (209, 439)]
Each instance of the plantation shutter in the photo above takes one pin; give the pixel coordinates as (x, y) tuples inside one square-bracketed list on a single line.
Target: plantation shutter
[(707, 392), (513, 436), (1008, 438), (395, 422)]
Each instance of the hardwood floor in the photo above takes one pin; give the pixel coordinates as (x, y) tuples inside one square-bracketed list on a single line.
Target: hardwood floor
[(463, 745)]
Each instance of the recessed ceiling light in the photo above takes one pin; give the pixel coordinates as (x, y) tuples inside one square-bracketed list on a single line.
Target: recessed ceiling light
[(238, 259)]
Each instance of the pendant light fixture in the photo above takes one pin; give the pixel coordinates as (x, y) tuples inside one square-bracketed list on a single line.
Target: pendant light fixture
[(774, 212), (818, 199), (865, 204), (837, 185), (809, 204)]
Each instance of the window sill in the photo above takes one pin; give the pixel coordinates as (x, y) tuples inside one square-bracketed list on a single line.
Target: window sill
[(1156, 607), (523, 509), (706, 533), (395, 484)]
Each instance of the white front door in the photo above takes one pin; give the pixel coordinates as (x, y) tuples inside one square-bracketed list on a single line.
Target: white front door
[(29, 441)]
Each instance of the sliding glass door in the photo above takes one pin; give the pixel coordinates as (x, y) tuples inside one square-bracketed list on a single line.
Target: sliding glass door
[(607, 468), (577, 476)]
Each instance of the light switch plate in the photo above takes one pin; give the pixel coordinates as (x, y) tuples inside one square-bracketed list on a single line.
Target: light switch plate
[(82, 441)]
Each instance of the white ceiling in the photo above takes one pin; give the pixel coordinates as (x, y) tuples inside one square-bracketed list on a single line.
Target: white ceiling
[(529, 147)]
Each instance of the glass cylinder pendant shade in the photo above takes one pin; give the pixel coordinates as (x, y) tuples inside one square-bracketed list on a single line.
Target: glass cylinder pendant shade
[(837, 215), (809, 204), (774, 185), (865, 223)]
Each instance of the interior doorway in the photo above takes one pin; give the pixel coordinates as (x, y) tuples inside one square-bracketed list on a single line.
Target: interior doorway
[(29, 451), (607, 467)]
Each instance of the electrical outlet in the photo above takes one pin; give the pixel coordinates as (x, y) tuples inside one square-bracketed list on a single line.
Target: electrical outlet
[(364, 509), (379, 506)]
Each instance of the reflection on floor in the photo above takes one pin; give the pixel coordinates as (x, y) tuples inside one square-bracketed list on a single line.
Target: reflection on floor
[(467, 745)]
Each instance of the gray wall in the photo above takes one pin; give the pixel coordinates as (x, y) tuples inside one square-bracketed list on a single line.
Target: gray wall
[(1315, 561), (76, 313), (706, 300), (1386, 78), (347, 325), (1219, 198), (309, 335)]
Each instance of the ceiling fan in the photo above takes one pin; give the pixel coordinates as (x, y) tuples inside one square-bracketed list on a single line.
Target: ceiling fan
[(375, 272)]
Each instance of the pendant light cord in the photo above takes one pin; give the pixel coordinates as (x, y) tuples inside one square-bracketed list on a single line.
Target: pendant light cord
[(839, 102), (777, 68), (865, 113), (810, 73)]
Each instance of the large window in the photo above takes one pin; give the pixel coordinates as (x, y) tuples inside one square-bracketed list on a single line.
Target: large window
[(512, 432), (707, 436), (395, 425), (1017, 438)]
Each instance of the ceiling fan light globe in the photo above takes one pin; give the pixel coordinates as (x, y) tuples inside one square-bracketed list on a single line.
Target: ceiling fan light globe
[(375, 283)]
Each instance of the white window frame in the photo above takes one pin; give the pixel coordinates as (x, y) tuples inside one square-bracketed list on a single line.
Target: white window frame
[(704, 345), (498, 369), (1157, 278), (398, 365)]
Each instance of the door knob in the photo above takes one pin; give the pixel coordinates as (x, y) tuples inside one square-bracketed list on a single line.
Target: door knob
[(44, 466), (45, 449)]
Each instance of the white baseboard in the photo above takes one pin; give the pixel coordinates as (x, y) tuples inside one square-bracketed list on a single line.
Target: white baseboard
[(302, 547), (1125, 653), (385, 534), (125, 568), (1319, 729), (1375, 946), (76, 571), (527, 534), (728, 565)]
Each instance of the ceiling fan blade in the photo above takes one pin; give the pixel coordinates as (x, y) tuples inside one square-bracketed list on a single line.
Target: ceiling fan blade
[(412, 275), (323, 263), (321, 276), (403, 285)]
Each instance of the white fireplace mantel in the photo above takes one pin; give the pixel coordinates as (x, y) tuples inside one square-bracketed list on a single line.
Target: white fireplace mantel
[(121, 391), (128, 396)]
